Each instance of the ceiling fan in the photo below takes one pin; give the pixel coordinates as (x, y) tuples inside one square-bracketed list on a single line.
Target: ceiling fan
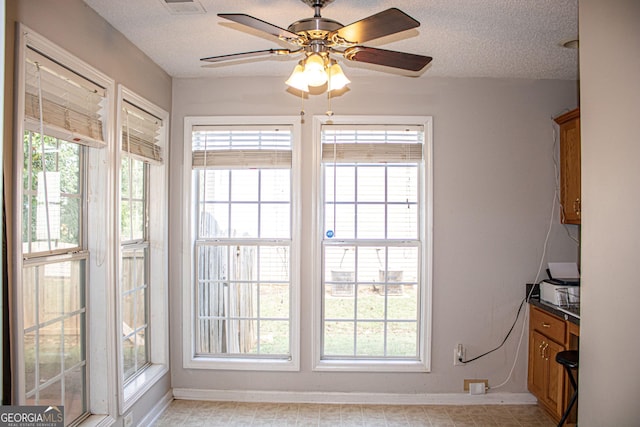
[(318, 37)]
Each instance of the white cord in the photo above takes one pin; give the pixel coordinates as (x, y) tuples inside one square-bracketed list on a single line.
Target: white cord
[(556, 198), (526, 311)]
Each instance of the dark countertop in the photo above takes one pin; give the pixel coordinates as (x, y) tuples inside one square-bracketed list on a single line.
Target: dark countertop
[(573, 317)]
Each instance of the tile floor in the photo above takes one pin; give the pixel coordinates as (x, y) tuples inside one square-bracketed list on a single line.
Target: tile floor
[(189, 413)]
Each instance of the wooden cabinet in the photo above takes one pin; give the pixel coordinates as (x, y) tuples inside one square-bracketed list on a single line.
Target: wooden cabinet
[(549, 335), (545, 375), (570, 193)]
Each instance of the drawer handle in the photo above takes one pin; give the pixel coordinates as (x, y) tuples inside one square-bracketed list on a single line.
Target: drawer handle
[(546, 325)]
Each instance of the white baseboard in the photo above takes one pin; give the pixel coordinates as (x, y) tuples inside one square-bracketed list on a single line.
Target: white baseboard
[(489, 398), (157, 410)]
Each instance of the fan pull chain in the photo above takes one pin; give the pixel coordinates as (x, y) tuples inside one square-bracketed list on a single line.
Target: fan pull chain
[(301, 107), (329, 112)]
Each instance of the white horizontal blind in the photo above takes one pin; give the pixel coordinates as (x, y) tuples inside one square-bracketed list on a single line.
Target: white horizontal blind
[(67, 105), (240, 147), (141, 133), (372, 144)]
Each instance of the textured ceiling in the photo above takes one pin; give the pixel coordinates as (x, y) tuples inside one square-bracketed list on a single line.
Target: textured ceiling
[(466, 38)]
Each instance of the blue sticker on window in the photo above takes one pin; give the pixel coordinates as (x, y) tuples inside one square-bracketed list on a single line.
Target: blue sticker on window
[(329, 233)]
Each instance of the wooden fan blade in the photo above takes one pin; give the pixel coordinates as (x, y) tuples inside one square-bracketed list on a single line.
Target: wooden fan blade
[(388, 58), (381, 24), (255, 53), (259, 24)]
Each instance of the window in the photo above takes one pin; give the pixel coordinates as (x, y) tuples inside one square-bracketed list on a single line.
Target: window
[(143, 291), (244, 251), (375, 245), (54, 278), (63, 132)]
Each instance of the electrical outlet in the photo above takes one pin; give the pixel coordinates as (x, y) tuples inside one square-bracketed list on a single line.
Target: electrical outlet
[(458, 353), (467, 382), (128, 420)]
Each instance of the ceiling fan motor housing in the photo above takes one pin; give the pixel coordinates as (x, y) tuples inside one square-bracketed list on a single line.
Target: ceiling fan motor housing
[(314, 28)]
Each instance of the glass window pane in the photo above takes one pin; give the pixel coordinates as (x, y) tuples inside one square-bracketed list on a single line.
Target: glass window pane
[(133, 266), (213, 263), (214, 220), (74, 341), (125, 175), (142, 357), (75, 402), (370, 339), (241, 337), (371, 302), (402, 184), (49, 351), (345, 183), (402, 222), (406, 260), (128, 356), (51, 214), (30, 360), (371, 260), (275, 185), (339, 263), (213, 185), (274, 337), (402, 339), (275, 221), (244, 220), (244, 263), (138, 222), (242, 301), (402, 305), (371, 221), (244, 185), (274, 263), (371, 184), (338, 304), (125, 220), (138, 179), (274, 301), (51, 395), (342, 224), (71, 220), (339, 338)]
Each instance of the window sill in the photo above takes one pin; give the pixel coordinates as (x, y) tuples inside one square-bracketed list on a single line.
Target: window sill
[(370, 366), (140, 385), (98, 421), (242, 364)]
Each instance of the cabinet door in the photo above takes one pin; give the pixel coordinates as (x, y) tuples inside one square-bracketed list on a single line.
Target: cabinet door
[(554, 377), (536, 380), (570, 189), (546, 377)]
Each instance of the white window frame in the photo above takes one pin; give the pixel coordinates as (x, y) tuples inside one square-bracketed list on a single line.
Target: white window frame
[(100, 351), (189, 229), (158, 290), (423, 364)]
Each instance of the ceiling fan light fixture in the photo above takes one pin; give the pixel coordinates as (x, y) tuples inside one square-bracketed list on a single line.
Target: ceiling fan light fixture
[(337, 78), (314, 70), (297, 79)]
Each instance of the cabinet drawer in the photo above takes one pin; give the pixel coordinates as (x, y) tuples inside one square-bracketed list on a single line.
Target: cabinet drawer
[(548, 325)]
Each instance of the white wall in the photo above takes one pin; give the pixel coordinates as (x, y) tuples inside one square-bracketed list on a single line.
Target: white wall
[(610, 120), (494, 184)]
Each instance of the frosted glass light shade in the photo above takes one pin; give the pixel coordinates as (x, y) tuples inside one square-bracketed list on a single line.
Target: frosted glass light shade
[(314, 70), (297, 79), (337, 79)]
